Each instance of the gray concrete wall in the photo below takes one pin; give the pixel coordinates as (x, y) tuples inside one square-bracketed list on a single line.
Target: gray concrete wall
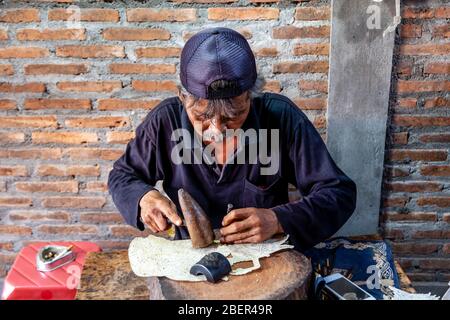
[(359, 83)]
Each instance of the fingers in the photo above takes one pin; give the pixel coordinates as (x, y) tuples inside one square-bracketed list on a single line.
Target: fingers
[(252, 239), (148, 221), (237, 214), (169, 210), (160, 220), (239, 236), (236, 227)]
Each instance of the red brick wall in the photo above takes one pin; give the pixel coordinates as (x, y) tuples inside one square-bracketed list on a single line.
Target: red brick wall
[(416, 204), (72, 94)]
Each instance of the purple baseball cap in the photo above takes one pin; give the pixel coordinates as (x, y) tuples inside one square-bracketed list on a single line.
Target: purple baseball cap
[(217, 54)]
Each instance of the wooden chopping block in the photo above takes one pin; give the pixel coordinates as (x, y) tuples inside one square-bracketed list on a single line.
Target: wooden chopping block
[(284, 275)]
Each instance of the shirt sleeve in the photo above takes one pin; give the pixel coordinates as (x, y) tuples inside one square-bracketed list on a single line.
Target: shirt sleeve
[(328, 195), (133, 175)]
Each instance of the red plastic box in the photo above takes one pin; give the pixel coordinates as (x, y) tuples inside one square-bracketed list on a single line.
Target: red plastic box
[(25, 282)]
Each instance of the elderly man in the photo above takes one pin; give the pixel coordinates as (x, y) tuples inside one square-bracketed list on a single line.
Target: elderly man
[(231, 146)]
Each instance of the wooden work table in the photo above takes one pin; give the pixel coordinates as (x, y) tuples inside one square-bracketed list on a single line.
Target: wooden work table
[(108, 275)]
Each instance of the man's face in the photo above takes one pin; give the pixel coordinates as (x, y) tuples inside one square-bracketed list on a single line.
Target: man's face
[(211, 128)]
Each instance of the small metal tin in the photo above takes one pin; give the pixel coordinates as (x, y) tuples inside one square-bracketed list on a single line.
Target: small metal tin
[(214, 266), (50, 258)]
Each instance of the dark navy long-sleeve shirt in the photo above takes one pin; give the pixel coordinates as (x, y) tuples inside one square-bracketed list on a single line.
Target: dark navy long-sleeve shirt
[(328, 195)]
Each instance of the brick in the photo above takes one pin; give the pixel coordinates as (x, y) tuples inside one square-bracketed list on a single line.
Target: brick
[(420, 121), (435, 263), (126, 104), (446, 217), (67, 171), (158, 52), (206, 1), (399, 138), (421, 276), (405, 86), (101, 217), (119, 137), (98, 122), (6, 70), (417, 13), (19, 15), (438, 138), (417, 155), (69, 104), (140, 68), (153, 85), (93, 153), (23, 52), (70, 68), (411, 31), (441, 202), (437, 68), (436, 102), (96, 186), (412, 187), (407, 103), (410, 216), (246, 33), (14, 230), (7, 258), (8, 246), (272, 86), (221, 14), (77, 202), (266, 52), (64, 137), (312, 13), (390, 233), (414, 248), (291, 32), (442, 31), (11, 137), (30, 153), (395, 201), (91, 15), (6, 104), (21, 88), (395, 172), (127, 232), (89, 86), (3, 34), (90, 51), (29, 215), (17, 171), (424, 49), (135, 34), (319, 86), (2, 186), (50, 34), (67, 230), (170, 15), (437, 171), (442, 13), (320, 49), (446, 248), (404, 68), (301, 67), (28, 121), (47, 186), (15, 202), (311, 103)]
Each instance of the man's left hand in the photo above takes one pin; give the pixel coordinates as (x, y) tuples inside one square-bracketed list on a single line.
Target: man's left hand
[(249, 225)]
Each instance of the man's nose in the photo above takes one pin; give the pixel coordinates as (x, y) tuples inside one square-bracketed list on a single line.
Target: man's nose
[(218, 123)]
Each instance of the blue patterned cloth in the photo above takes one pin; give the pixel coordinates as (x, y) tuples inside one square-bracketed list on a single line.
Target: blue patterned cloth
[(363, 260)]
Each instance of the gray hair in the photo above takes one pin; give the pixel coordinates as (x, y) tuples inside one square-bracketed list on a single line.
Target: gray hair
[(224, 107)]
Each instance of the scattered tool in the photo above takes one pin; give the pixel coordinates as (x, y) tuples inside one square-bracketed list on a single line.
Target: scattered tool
[(214, 266), (196, 220)]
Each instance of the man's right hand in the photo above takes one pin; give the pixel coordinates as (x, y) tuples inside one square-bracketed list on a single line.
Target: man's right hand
[(156, 209)]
